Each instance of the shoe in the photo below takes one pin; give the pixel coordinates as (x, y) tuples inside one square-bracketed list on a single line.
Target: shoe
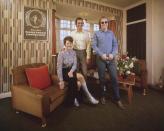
[(94, 101), (120, 105), (103, 100), (76, 103)]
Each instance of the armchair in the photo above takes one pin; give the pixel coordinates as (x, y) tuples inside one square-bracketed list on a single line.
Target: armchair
[(32, 100)]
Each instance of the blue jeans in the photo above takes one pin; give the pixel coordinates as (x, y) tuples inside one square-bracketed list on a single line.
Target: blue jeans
[(111, 68)]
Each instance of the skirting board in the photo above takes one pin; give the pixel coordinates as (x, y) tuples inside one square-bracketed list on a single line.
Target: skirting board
[(4, 95)]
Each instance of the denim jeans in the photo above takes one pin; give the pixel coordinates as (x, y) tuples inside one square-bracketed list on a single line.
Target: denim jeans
[(111, 68)]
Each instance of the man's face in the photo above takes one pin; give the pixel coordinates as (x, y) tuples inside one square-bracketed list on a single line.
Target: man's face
[(104, 24), (79, 24)]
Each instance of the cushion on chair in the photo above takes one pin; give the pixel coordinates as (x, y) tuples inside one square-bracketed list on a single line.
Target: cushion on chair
[(38, 77)]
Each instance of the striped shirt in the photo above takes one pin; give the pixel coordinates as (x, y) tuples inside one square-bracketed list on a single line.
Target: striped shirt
[(66, 59)]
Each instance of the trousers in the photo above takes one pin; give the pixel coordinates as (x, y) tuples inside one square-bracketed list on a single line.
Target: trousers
[(111, 69), (72, 86), (81, 62)]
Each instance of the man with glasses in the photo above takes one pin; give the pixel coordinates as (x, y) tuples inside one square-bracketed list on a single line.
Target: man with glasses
[(106, 47), (82, 46)]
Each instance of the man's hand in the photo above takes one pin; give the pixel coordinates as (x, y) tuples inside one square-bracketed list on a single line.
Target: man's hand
[(70, 73), (104, 57), (110, 57), (61, 85)]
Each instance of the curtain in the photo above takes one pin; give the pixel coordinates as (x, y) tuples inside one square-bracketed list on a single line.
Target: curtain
[(112, 26), (53, 33)]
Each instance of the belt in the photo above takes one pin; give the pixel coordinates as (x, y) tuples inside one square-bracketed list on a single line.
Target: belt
[(65, 67), (79, 50)]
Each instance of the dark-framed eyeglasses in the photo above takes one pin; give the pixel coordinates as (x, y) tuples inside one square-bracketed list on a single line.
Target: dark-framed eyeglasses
[(104, 22), (80, 23)]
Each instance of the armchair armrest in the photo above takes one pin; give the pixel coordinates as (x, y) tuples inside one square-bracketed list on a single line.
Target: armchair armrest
[(55, 79), (38, 101), (27, 89)]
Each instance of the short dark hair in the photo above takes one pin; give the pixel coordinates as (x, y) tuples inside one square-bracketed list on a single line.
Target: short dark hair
[(68, 38), (78, 18)]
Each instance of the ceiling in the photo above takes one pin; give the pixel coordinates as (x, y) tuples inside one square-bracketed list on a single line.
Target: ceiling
[(88, 14), (66, 10), (119, 3)]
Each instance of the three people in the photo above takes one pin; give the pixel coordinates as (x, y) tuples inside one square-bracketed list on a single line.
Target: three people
[(82, 46), (106, 47), (66, 70)]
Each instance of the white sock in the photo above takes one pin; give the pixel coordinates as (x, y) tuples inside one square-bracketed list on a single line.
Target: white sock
[(88, 94), (76, 103)]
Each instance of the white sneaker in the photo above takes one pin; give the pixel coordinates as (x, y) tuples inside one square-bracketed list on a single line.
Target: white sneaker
[(76, 103), (94, 101)]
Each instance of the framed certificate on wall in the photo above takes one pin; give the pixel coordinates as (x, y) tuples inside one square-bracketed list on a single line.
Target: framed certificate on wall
[(35, 23)]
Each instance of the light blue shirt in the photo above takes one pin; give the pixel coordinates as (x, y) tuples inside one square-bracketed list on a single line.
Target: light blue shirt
[(104, 42)]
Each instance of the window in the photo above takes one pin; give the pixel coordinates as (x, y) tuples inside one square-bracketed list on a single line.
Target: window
[(64, 33), (95, 27), (65, 24), (73, 26), (64, 28), (86, 26)]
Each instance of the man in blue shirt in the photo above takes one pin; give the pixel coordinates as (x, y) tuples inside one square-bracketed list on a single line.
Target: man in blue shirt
[(106, 47)]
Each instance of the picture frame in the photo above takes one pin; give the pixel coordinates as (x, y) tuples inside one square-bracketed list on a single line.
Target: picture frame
[(35, 24)]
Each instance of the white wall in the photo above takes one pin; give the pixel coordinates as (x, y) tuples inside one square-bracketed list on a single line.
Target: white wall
[(158, 39), (155, 39), (149, 40)]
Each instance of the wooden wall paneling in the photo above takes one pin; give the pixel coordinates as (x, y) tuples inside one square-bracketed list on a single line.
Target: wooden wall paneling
[(53, 33), (14, 50)]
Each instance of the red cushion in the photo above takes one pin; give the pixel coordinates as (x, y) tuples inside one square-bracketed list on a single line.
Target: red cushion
[(38, 77)]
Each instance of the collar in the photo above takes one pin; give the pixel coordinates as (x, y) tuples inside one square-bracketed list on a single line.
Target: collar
[(105, 31), (79, 32)]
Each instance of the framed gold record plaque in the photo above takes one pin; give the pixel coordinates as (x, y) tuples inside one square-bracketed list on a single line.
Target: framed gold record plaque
[(35, 23)]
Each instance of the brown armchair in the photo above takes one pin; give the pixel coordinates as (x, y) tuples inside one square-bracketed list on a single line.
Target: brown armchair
[(31, 100)]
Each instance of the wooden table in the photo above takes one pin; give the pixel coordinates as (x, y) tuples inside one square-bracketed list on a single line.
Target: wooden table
[(127, 85)]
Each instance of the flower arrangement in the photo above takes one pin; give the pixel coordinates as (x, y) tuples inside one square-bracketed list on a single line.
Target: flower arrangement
[(125, 65)]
